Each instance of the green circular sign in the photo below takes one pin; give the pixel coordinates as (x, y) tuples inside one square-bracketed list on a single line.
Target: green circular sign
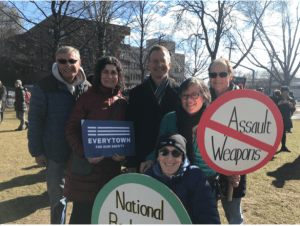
[(138, 199)]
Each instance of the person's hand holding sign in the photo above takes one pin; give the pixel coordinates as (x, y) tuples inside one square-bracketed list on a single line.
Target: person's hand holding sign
[(234, 180), (95, 160), (233, 140), (146, 165), (118, 158)]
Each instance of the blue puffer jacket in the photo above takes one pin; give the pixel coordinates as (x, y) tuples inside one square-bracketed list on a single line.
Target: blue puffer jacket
[(192, 188), (50, 106)]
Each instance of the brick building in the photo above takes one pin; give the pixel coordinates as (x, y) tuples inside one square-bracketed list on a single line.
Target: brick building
[(38, 45)]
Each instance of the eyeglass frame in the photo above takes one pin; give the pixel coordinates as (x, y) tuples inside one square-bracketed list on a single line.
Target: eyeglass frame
[(215, 74), (167, 152), (64, 61), (190, 95)]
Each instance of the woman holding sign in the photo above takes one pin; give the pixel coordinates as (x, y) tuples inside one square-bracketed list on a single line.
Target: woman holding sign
[(188, 182), (86, 176), (195, 98), (220, 76)]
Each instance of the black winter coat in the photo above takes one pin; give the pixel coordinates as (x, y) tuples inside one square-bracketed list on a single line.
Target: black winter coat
[(146, 115), (3, 92), (286, 112), (20, 104)]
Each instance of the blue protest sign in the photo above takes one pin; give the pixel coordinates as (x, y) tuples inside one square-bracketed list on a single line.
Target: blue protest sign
[(107, 137)]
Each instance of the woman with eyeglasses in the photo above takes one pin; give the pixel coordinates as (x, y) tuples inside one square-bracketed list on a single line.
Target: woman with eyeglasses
[(195, 98), (220, 76), (103, 101), (188, 182)]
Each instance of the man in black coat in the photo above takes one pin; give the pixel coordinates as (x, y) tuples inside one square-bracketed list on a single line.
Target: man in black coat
[(3, 100), (149, 102), (20, 105)]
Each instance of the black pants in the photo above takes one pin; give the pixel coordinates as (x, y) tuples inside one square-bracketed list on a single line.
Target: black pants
[(82, 213), (2, 109), (283, 139)]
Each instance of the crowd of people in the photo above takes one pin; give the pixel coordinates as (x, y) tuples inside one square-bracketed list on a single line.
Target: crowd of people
[(165, 118), (20, 103)]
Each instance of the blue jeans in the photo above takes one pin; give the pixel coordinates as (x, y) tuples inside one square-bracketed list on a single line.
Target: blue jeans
[(233, 210), (55, 174)]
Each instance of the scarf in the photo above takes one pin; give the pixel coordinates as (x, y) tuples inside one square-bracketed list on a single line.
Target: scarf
[(79, 78), (159, 91), (187, 126)]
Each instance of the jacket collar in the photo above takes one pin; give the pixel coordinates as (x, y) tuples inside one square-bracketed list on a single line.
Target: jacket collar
[(232, 86), (62, 84), (158, 172)]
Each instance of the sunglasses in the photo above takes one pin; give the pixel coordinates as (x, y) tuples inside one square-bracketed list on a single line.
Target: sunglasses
[(63, 61), (165, 152), (221, 74)]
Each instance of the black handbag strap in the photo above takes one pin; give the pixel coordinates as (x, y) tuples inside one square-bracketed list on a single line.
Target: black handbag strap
[(115, 111)]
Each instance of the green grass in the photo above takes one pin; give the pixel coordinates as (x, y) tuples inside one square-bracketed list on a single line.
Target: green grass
[(272, 197)]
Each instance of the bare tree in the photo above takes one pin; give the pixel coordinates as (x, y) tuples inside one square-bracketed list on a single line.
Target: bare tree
[(103, 14), (283, 56), (193, 45), (144, 18), (10, 26), (60, 21), (48, 26), (220, 26), (10, 23)]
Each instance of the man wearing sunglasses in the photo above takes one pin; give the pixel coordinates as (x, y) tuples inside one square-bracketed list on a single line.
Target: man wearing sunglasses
[(52, 100), (220, 76), (188, 182)]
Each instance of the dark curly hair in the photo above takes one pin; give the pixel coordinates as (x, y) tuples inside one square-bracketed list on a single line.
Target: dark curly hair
[(99, 67)]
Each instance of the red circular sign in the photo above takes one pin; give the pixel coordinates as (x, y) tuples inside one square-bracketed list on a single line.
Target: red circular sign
[(239, 132)]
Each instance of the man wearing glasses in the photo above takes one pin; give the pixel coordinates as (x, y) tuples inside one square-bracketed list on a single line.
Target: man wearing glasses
[(52, 100), (220, 76), (149, 102)]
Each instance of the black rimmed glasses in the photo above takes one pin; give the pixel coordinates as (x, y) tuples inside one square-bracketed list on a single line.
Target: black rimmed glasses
[(194, 96), (175, 153), (63, 61), (221, 74)]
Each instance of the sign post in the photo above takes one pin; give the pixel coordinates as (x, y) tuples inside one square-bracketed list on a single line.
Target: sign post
[(239, 132), (137, 199)]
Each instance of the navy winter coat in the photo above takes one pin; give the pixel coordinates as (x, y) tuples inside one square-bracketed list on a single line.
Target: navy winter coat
[(50, 106), (192, 188)]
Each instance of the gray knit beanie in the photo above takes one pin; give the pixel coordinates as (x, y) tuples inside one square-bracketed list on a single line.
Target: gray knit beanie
[(19, 82)]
